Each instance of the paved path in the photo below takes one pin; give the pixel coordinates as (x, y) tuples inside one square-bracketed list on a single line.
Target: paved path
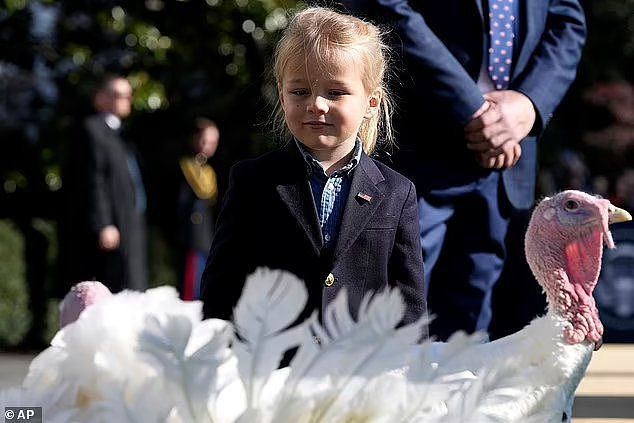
[(606, 394), (13, 368)]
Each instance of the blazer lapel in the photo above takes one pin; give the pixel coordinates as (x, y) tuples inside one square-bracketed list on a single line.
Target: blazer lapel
[(296, 194), (363, 200), (478, 4), (118, 144)]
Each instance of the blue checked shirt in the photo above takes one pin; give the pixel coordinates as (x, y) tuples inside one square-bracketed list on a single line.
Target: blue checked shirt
[(330, 193)]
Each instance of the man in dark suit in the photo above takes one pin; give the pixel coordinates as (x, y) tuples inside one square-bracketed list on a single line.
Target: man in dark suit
[(108, 191), (482, 79)]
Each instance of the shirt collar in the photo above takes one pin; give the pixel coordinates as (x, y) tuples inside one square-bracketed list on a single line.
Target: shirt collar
[(313, 165), (112, 121)]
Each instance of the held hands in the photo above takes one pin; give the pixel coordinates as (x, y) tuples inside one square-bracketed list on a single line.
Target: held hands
[(109, 238), (503, 156), (497, 128)]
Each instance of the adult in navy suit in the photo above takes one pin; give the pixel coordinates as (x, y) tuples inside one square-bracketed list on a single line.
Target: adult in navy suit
[(468, 130)]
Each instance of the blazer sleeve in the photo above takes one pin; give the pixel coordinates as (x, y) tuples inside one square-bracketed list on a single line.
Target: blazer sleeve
[(553, 65), (99, 172), (454, 89), (406, 261), (229, 261)]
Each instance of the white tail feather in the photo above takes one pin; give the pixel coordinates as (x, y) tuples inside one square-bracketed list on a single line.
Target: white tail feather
[(271, 301)]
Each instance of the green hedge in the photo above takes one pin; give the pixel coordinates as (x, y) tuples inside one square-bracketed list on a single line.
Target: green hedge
[(14, 315)]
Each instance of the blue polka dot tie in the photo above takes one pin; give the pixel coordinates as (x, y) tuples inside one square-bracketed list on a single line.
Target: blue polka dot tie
[(502, 15)]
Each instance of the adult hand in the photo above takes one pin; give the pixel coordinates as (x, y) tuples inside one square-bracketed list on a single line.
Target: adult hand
[(504, 157), (109, 238), (485, 106), (510, 118)]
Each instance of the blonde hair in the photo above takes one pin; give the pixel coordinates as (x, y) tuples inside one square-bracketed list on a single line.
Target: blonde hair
[(325, 35)]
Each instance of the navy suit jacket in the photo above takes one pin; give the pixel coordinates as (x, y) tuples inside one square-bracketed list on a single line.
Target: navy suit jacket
[(268, 218), (442, 44)]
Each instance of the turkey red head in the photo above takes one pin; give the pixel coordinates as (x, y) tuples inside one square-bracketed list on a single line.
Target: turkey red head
[(564, 245)]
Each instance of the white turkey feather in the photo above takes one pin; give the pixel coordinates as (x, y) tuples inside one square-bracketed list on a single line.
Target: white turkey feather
[(146, 403), (365, 347), (347, 355), (271, 301), (536, 372), (190, 359), (97, 359), (166, 364)]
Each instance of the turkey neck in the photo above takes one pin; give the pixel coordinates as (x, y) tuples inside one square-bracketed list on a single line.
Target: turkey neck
[(567, 266)]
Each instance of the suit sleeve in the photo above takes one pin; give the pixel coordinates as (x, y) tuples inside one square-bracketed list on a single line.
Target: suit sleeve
[(454, 89), (553, 65), (406, 261), (99, 171), (229, 260)]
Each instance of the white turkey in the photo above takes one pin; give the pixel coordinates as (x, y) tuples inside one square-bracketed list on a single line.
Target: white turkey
[(564, 246), (146, 357)]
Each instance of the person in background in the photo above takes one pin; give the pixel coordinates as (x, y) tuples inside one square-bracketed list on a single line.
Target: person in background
[(197, 198), (320, 207), (106, 195), (481, 81)]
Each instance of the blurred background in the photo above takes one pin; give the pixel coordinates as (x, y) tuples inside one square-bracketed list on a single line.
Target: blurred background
[(210, 58)]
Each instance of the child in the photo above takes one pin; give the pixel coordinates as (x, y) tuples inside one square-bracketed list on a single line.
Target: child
[(320, 207)]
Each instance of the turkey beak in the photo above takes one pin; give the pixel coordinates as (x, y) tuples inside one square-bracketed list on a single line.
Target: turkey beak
[(618, 215), (598, 344)]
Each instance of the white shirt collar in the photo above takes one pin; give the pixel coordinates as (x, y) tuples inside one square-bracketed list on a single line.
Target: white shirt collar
[(112, 121)]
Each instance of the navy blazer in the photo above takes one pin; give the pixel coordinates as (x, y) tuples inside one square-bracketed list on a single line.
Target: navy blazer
[(268, 218), (442, 44)]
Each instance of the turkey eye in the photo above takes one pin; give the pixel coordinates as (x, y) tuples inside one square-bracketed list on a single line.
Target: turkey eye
[(571, 205)]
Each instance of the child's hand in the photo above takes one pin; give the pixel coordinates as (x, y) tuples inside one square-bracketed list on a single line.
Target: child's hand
[(503, 157)]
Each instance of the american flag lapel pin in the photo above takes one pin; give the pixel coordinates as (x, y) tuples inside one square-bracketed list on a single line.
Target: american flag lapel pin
[(364, 197)]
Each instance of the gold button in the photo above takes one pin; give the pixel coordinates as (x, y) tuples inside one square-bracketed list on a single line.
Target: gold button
[(330, 280), (196, 218)]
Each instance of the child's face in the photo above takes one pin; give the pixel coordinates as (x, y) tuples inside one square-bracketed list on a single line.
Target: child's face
[(324, 112)]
